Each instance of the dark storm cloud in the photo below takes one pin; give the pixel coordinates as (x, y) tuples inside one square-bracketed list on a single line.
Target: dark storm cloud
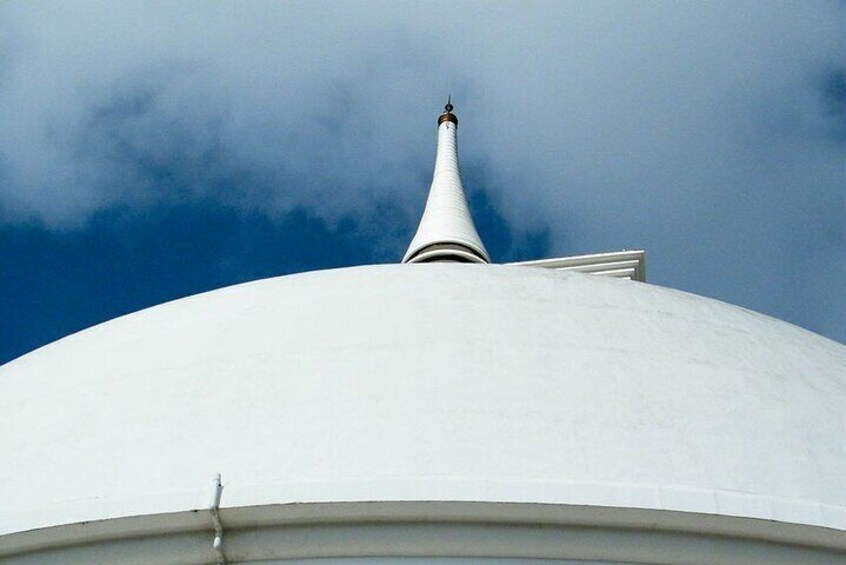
[(833, 94), (711, 134)]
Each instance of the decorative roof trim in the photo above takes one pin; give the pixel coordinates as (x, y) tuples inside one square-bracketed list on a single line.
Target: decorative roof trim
[(485, 530), (618, 264), (455, 252)]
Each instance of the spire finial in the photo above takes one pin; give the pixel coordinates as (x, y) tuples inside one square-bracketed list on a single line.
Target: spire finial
[(448, 116)]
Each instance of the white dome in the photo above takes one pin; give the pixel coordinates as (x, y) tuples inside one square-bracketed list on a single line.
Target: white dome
[(438, 382)]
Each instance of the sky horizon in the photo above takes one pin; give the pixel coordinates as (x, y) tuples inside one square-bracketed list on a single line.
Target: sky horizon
[(151, 151)]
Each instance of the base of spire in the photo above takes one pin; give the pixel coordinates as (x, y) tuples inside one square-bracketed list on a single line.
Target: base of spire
[(446, 253)]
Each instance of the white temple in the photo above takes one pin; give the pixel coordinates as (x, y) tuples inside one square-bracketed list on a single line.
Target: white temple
[(446, 411)]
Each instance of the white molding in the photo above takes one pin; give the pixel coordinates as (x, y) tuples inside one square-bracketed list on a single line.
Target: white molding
[(275, 533), (618, 264)]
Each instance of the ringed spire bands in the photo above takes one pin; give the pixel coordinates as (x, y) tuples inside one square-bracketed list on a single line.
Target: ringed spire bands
[(446, 231)]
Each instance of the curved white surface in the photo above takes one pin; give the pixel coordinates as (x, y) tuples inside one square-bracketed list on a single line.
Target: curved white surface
[(429, 382), (446, 218)]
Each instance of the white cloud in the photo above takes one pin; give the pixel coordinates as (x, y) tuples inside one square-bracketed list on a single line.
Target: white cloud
[(696, 130)]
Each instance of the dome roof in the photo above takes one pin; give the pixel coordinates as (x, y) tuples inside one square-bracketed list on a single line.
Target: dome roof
[(429, 382)]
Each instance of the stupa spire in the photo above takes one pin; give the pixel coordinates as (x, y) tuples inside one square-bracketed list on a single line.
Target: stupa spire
[(446, 231)]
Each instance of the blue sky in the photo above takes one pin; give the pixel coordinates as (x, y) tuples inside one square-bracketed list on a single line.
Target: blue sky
[(153, 150)]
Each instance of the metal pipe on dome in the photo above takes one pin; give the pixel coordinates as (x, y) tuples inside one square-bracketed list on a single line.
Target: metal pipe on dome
[(217, 544)]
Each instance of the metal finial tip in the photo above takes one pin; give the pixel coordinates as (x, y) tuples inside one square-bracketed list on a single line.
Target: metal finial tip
[(448, 116)]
